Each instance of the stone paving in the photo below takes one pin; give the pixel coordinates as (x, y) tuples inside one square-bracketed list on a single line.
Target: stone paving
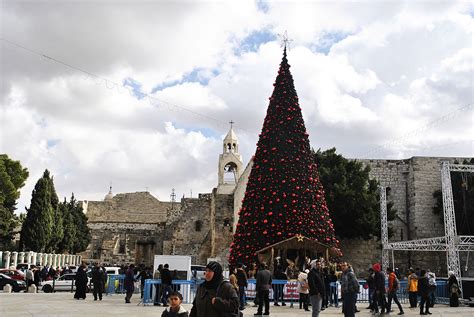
[(63, 305)]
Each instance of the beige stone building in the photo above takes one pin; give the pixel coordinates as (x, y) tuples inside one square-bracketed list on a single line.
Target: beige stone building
[(132, 227)]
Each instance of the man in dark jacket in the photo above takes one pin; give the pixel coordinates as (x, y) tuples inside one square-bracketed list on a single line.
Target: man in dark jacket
[(98, 281), (424, 292), (349, 290), (215, 296), (278, 295), (263, 285), (317, 290), (242, 283), (129, 283), (380, 299), (166, 281)]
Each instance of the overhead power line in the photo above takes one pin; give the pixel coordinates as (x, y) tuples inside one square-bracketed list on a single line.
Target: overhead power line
[(407, 136), (110, 84)]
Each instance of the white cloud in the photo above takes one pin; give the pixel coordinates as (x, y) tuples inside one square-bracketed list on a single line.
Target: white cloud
[(367, 73)]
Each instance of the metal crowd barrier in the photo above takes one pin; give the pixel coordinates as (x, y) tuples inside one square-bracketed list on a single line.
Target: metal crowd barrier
[(290, 292), (115, 284)]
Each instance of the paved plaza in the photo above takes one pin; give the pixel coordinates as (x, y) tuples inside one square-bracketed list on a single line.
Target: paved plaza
[(63, 305)]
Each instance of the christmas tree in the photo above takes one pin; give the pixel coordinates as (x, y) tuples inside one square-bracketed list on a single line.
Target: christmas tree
[(284, 195)]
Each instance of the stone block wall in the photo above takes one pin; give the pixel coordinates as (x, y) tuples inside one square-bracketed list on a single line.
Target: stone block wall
[(223, 226), (189, 233), (107, 238), (413, 182)]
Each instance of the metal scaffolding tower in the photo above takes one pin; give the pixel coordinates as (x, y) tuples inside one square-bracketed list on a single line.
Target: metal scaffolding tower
[(451, 243)]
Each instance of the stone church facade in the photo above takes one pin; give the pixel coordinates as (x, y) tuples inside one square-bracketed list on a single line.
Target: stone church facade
[(133, 227)]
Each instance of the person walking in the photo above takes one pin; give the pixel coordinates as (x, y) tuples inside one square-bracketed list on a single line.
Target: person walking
[(380, 299), (263, 285), (98, 281), (453, 290), (166, 281), (393, 285), (316, 287), (129, 283), (333, 290), (215, 296), (327, 287), (303, 290), (243, 284), (158, 287), (278, 295), (424, 292), (412, 288), (349, 289), (432, 287), (371, 287), (29, 279), (81, 282)]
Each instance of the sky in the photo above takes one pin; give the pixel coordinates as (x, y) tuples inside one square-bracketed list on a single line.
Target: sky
[(138, 94)]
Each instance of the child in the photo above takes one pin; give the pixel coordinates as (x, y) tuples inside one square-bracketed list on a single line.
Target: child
[(175, 309)]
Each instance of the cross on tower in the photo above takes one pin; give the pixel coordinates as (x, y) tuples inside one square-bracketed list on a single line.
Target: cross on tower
[(231, 123)]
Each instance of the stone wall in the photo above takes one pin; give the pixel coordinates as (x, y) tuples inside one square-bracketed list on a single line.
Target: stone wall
[(223, 226), (413, 182), (361, 254), (124, 243), (189, 233), (139, 207)]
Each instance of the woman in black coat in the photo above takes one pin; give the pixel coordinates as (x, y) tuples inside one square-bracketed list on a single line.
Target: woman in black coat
[(215, 296), (423, 292), (81, 283), (453, 289)]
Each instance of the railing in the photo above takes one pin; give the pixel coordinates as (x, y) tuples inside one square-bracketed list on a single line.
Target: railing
[(115, 284), (290, 292)]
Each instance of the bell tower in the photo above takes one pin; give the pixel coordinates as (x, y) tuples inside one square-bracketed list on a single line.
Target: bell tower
[(230, 163)]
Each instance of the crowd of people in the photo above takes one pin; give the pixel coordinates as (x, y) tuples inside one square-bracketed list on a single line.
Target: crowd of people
[(315, 285)]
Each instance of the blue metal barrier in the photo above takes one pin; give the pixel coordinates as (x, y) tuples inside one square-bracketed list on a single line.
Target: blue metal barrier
[(115, 284), (185, 287), (188, 289)]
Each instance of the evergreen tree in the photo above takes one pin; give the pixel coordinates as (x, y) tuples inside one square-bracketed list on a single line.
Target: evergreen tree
[(284, 195), (12, 178), (37, 228), (69, 228), (83, 235), (58, 227), (351, 195)]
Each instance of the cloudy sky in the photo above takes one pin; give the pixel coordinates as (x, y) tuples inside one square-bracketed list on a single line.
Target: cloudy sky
[(139, 93)]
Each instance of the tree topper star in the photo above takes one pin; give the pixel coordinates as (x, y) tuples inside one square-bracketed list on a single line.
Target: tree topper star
[(285, 40), (300, 237)]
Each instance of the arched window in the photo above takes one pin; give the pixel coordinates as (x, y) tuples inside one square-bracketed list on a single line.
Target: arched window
[(230, 173)]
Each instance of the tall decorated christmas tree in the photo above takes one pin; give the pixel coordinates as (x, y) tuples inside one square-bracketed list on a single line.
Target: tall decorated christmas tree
[(284, 196)]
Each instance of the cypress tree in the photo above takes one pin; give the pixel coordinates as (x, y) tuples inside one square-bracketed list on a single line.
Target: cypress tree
[(36, 230), (284, 195), (83, 236), (69, 228)]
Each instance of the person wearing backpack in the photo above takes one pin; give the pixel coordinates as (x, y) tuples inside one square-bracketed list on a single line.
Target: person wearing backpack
[(215, 297), (432, 287), (393, 286)]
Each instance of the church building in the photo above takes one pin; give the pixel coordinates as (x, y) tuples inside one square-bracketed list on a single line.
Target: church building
[(133, 227)]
